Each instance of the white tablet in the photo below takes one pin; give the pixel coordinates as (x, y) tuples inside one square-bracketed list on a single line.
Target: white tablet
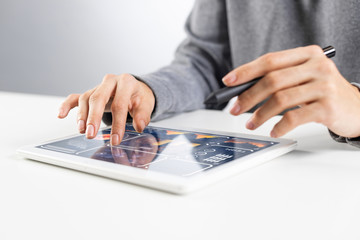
[(177, 161)]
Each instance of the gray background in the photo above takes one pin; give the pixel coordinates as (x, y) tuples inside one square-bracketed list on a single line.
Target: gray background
[(61, 47)]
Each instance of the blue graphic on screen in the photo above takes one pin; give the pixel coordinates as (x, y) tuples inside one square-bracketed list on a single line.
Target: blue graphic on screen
[(176, 152)]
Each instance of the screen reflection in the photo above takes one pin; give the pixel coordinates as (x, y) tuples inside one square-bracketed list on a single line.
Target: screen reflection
[(136, 152)]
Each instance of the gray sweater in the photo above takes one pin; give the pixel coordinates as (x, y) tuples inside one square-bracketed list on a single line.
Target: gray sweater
[(223, 34)]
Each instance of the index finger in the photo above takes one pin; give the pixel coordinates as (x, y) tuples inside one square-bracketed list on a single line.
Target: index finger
[(271, 62), (97, 102)]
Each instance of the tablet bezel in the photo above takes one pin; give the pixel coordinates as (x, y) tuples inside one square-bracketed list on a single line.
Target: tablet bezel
[(158, 180)]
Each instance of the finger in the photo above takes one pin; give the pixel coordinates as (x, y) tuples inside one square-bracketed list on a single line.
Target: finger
[(282, 100), (119, 109), (141, 112), (272, 83), (271, 62), (108, 105), (83, 110), (70, 102), (97, 102), (143, 103), (313, 112)]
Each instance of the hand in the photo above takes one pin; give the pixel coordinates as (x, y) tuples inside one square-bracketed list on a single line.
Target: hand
[(302, 77), (120, 94)]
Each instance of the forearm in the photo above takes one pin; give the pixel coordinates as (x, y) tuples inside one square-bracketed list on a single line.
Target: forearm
[(200, 62)]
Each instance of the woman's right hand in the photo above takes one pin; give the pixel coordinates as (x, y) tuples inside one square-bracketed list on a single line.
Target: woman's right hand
[(120, 94)]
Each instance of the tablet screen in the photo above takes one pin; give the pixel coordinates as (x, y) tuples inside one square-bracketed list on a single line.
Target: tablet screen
[(182, 153)]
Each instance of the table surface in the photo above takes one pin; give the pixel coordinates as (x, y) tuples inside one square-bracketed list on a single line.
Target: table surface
[(310, 193)]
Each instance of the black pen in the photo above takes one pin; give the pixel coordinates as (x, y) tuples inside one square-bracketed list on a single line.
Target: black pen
[(225, 94)]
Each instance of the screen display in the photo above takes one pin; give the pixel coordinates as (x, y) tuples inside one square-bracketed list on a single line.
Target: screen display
[(182, 153)]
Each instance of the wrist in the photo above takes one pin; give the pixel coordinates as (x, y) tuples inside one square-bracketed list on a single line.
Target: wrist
[(354, 141)]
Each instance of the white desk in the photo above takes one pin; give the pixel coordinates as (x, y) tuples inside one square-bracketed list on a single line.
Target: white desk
[(310, 193)]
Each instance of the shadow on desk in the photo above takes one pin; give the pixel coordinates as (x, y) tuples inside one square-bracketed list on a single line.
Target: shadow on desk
[(323, 143)]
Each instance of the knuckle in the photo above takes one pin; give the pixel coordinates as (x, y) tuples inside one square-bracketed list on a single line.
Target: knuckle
[(291, 118), (259, 115), (118, 107), (330, 64), (315, 50), (329, 89), (126, 77), (244, 99), (280, 99), (95, 98), (72, 96), (326, 66), (82, 97), (127, 81), (270, 60), (272, 80), (109, 77)]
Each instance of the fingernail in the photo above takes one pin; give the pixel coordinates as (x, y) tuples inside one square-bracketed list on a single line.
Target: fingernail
[(114, 139), (250, 125), (229, 79), (235, 110), (273, 134), (90, 131), (81, 125)]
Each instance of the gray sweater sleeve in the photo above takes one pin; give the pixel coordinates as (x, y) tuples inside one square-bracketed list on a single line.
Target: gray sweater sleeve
[(200, 62)]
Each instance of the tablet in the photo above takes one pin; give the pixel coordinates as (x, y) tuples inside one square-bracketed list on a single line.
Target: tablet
[(172, 160)]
